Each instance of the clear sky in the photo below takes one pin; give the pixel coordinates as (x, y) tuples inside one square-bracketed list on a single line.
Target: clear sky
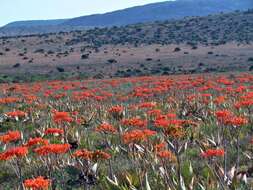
[(16, 10)]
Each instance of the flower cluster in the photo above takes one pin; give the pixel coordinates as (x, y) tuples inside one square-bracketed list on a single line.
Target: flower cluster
[(10, 136), (135, 136), (52, 149), (60, 117), (92, 155), (39, 183), (212, 153), (18, 114), (53, 131), (106, 128), (135, 122), (14, 152)]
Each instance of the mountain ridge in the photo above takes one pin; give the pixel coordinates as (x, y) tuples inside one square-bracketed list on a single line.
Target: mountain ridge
[(161, 11)]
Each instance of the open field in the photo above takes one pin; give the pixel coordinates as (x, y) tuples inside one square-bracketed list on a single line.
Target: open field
[(159, 132), (125, 61), (215, 43)]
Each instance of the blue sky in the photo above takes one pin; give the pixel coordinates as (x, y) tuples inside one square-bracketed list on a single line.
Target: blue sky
[(15, 10)]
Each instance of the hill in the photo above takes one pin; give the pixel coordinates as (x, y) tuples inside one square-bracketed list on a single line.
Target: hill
[(33, 23), (168, 10), (161, 11), (215, 43)]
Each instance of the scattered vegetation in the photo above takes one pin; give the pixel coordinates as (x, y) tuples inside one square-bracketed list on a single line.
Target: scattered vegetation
[(178, 132)]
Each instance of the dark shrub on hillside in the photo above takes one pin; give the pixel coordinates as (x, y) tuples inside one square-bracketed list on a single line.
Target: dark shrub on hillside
[(16, 65), (112, 61), (39, 51), (177, 49), (85, 56), (60, 69), (50, 52)]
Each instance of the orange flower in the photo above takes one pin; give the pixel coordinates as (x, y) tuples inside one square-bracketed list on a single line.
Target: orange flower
[(154, 112), (85, 154), (116, 109), (100, 155), (52, 148), (160, 146), (137, 135), (223, 114), (53, 131), (135, 122), (15, 114), (89, 155), (60, 117), (9, 100), (14, 152), (165, 154), (105, 127), (36, 141), (236, 121), (244, 103), (10, 136), (212, 153), (147, 105), (220, 100), (165, 123), (39, 183)]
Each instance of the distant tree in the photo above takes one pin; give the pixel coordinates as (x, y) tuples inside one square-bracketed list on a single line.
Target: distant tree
[(60, 69), (250, 59), (16, 65), (85, 56), (177, 49)]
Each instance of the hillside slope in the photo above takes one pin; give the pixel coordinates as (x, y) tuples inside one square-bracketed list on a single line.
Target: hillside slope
[(161, 11), (216, 43), (168, 10)]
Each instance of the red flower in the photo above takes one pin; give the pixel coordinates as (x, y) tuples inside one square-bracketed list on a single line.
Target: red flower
[(212, 153), (116, 109), (36, 141), (39, 183), (137, 135), (105, 127), (53, 131), (135, 122), (100, 155), (10, 136), (89, 155), (160, 146), (15, 114), (165, 154), (9, 100), (220, 100), (52, 148), (222, 114), (14, 152), (154, 112), (147, 105), (60, 117), (85, 154), (236, 121)]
